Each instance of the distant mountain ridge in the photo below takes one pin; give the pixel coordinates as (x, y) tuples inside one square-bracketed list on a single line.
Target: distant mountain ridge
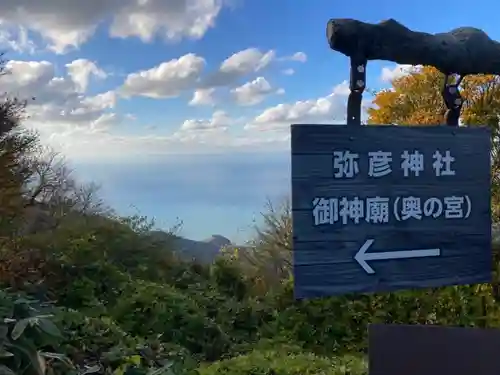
[(203, 251)]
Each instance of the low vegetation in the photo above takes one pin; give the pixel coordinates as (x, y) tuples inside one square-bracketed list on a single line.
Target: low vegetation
[(85, 291)]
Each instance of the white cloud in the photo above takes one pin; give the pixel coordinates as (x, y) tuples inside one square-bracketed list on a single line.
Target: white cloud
[(82, 70), (101, 101), (203, 97), (59, 106), (61, 23), (171, 19), (27, 79), (167, 80), (246, 61), (26, 73), (16, 39), (86, 113), (328, 109), (171, 78), (299, 56), (240, 64), (217, 134), (213, 135), (65, 24), (120, 147), (99, 140), (253, 92), (190, 128), (400, 70), (288, 72)]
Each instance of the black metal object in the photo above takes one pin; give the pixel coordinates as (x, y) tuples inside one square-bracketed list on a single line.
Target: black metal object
[(357, 85), (452, 98)]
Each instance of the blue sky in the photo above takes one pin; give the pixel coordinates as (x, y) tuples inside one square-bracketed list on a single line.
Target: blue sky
[(181, 109)]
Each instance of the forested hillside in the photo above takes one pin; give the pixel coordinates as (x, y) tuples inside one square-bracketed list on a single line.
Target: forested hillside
[(87, 292)]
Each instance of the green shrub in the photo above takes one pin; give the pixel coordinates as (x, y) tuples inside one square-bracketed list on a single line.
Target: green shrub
[(276, 362), (100, 342), (229, 279), (28, 337), (149, 310), (87, 338)]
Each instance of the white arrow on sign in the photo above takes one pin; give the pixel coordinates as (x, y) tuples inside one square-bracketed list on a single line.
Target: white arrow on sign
[(362, 256)]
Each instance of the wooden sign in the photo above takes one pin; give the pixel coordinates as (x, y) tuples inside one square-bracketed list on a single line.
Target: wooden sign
[(381, 208)]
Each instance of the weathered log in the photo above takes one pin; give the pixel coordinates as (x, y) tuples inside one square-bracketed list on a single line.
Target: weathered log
[(465, 50)]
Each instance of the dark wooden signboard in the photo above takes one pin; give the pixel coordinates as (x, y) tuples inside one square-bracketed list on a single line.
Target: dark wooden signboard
[(381, 208), (432, 350)]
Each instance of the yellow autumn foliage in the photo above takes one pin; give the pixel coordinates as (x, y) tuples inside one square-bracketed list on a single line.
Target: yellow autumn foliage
[(415, 99)]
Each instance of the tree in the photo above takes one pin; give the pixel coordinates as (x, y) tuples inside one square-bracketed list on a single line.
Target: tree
[(15, 144), (50, 186), (267, 258), (415, 99)]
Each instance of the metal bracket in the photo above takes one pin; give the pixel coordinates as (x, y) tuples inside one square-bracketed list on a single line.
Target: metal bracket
[(357, 85), (452, 98)]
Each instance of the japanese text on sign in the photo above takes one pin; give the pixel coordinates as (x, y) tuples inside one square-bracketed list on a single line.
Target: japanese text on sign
[(379, 210), (380, 163)]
